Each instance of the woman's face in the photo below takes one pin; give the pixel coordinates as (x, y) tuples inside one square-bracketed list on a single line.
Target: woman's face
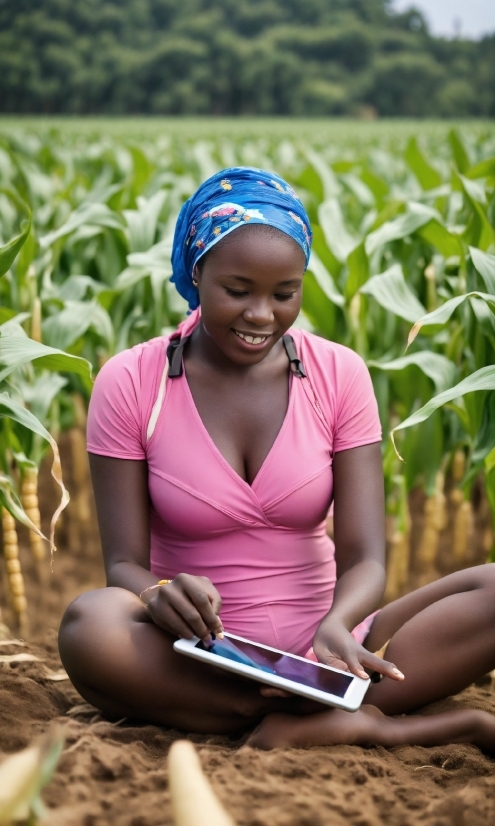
[(250, 290)]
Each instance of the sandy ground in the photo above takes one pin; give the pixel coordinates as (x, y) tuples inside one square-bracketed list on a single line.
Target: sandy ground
[(117, 773)]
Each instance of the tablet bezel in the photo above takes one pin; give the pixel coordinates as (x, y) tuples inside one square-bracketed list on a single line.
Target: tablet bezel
[(351, 701)]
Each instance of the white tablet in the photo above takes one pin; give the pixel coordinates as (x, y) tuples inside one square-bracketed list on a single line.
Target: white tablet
[(278, 668)]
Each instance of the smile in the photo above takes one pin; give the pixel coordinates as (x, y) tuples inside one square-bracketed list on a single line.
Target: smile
[(249, 339)]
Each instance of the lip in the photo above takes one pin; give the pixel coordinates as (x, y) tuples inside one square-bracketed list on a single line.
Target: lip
[(251, 347)]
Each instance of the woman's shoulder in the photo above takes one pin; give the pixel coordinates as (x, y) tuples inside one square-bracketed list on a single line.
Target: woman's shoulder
[(325, 353)]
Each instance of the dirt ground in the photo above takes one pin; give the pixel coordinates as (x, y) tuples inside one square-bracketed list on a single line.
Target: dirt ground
[(117, 773)]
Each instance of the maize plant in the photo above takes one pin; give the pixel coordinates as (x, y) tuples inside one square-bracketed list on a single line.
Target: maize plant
[(402, 271)]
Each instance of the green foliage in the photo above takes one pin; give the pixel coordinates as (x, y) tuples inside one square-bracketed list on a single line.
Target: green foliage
[(317, 57), (404, 253)]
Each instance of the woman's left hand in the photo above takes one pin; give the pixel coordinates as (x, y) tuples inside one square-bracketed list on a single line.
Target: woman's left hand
[(334, 645)]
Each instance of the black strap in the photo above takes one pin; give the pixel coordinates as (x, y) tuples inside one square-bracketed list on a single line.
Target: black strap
[(175, 352), (296, 364)]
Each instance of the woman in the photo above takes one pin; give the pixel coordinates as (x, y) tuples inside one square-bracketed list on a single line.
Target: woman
[(215, 455)]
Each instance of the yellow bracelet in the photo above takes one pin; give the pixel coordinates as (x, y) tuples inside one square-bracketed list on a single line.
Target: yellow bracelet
[(158, 585)]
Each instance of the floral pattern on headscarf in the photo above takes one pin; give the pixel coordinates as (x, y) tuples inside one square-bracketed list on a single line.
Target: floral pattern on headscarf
[(258, 197)]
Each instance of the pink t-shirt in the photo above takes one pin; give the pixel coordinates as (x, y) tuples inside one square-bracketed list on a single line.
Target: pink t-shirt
[(264, 545)]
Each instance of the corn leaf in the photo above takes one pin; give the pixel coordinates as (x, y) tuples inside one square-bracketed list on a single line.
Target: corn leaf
[(325, 280), (10, 501), (93, 214), (358, 271), (442, 314), (485, 264), (142, 222), (390, 290), (459, 152), (10, 250), (11, 408), (16, 351), (62, 329), (426, 174), (338, 238), (405, 224), (437, 367), (483, 379)]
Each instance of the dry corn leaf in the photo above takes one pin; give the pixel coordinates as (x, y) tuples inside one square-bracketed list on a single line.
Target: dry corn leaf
[(56, 676), (24, 775), (82, 708), (19, 658), (193, 799), (13, 642)]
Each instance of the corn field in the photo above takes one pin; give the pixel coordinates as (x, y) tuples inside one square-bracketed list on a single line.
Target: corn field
[(402, 271)]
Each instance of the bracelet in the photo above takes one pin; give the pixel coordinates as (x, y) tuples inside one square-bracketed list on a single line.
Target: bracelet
[(158, 585)]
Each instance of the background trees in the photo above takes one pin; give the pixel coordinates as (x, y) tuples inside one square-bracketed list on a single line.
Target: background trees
[(284, 57)]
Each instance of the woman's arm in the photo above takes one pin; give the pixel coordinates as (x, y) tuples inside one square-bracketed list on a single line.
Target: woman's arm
[(359, 531), (189, 605)]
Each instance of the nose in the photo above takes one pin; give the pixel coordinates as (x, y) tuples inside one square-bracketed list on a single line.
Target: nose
[(259, 312)]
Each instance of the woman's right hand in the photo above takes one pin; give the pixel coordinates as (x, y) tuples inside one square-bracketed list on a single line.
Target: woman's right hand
[(188, 606)]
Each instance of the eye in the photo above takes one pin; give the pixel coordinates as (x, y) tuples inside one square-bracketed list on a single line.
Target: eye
[(284, 296), (236, 293)]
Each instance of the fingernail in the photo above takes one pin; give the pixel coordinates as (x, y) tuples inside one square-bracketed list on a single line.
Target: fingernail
[(398, 673), (220, 635)]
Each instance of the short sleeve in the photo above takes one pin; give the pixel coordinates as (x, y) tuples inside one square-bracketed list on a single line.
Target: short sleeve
[(114, 420), (357, 420)]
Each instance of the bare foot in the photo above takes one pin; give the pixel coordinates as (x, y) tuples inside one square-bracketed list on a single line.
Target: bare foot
[(369, 726), (325, 728)]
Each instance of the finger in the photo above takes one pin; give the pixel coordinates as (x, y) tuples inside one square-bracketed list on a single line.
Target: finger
[(166, 617), (354, 666), (213, 595), (384, 667), (189, 613), (201, 601)]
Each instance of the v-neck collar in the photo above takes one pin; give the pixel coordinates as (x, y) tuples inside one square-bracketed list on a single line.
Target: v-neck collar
[(215, 449)]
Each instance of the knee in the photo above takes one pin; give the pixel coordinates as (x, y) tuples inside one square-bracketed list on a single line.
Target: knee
[(87, 624), (487, 575)]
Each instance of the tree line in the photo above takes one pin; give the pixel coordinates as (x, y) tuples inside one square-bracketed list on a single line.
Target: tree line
[(222, 57)]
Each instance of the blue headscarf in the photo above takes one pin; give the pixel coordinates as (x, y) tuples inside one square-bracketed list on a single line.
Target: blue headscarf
[(225, 202)]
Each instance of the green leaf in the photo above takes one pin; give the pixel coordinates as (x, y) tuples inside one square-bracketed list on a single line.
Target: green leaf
[(426, 174), (359, 270), (10, 250), (437, 367), (407, 223), (325, 280), (459, 152), (442, 314), (484, 169), (391, 291), (62, 329), (13, 410), (337, 237), (446, 242), (10, 500), (485, 264), (483, 379), (89, 213), (16, 351), (142, 222)]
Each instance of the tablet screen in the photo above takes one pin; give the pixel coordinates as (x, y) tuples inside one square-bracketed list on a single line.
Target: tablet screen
[(299, 671)]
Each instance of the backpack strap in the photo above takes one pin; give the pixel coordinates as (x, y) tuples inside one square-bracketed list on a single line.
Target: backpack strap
[(296, 364)]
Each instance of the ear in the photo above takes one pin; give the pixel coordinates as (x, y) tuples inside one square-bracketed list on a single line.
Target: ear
[(196, 275)]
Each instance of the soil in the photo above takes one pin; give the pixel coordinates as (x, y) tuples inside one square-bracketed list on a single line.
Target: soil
[(114, 772)]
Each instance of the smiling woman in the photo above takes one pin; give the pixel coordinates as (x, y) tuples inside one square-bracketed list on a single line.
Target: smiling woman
[(215, 516)]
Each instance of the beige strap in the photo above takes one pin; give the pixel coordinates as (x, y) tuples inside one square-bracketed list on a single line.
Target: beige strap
[(158, 403)]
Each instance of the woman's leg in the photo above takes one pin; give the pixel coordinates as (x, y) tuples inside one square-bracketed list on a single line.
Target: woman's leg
[(442, 639), (125, 665)]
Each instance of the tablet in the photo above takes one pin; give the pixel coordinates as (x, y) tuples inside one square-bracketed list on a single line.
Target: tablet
[(294, 674)]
